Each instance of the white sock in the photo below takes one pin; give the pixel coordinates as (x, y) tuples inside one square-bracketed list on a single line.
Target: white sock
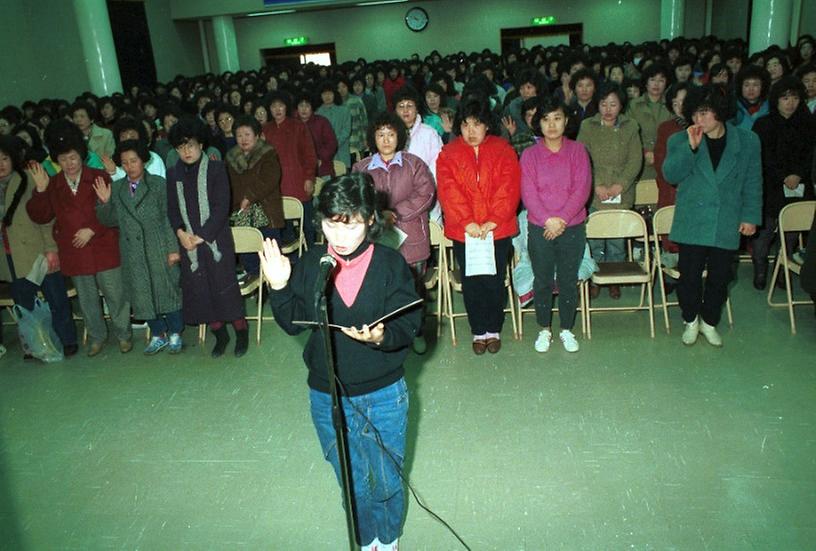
[(375, 545), (393, 546), (492, 336), (480, 337)]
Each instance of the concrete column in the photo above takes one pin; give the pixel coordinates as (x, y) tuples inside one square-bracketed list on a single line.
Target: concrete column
[(672, 14), (226, 45), (796, 21), (709, 16), (97, 46), (770, 24), (205, 50)]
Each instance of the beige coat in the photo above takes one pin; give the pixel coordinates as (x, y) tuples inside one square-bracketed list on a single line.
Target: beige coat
[(27, 240), (101, 141)]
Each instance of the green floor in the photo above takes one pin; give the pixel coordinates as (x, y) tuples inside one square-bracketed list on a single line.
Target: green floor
[(632, 443)]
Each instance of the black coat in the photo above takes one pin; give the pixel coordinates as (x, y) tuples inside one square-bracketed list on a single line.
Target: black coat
[(787, 148), (211, 293)]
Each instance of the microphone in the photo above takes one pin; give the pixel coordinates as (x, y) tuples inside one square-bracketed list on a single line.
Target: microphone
[(327, 264)]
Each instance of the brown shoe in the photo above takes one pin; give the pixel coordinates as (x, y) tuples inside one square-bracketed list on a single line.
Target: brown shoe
[(614, 291), (493, 345), (125, 346), (594, 291), (479, 347), (94, 348)]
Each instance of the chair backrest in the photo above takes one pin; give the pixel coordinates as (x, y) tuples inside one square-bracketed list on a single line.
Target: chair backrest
[(292, 209), (797, 216), (646, 192), (339, 168), (247, 240), (662, 221), (438, 235), (616, 223)]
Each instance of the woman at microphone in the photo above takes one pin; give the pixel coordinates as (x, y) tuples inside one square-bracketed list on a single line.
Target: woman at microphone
[(368, 282)]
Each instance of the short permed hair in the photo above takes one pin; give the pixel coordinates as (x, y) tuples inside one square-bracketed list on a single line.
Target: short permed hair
[(547, 105), (137, 146), (711, 97), (348, 196), (63, 136), (476, 107), (189, 128), (753, 72), (387, 119), (786, 84)]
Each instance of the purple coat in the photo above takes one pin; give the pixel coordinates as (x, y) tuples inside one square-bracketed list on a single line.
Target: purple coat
[(211, 293), (409, 186)]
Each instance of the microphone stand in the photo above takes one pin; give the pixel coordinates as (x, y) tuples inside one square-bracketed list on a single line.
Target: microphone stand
[(338, 420)]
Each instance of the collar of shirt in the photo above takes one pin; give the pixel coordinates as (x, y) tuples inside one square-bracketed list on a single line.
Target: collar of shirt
[(74, 185), (133, 186), (378, 162)]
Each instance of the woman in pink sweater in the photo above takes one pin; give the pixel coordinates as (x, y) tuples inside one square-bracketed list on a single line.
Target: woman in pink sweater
[(556, 180)]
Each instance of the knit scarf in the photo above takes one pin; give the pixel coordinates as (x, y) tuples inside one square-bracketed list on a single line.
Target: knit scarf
[(203, 211)]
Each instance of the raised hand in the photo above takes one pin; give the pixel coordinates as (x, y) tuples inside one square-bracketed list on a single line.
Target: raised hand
[(110, 166), (510, 125), (102, 189), (276, 267), (695, 136), (447, 122), (39, 175)]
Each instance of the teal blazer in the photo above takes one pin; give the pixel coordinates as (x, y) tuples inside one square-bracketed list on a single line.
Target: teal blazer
[(711, 204)]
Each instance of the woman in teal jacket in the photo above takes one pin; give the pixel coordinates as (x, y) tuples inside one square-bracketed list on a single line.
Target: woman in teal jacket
[(717, 170)]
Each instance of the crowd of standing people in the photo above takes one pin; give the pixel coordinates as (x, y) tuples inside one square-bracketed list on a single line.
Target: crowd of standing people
[(133, 196)]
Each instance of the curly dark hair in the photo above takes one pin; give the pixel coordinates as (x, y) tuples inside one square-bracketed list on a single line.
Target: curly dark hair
[(546, 105), (189, 128), (345, 197), (785, 85), (387, 119), (713, 97), (476, 107), (62, 136), (137, 146), (753, 72)]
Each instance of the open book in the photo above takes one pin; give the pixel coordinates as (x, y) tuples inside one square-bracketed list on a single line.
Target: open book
[(370, 325)]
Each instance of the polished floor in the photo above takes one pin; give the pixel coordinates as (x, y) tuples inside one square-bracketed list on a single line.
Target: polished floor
[(632, 443)]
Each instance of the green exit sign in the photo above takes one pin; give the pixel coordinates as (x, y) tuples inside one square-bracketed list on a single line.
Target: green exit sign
[(296, 41), (547, 20)]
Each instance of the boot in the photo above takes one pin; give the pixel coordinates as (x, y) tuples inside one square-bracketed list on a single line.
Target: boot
[(241, 342), (760, 276), (221, 341)]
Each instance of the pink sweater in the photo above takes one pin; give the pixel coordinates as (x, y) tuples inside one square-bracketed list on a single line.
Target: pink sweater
[(349, 276), (556, 184)]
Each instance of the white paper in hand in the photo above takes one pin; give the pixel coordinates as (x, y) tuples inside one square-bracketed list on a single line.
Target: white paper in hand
[(797, 192), (480, 256), (616, 200)]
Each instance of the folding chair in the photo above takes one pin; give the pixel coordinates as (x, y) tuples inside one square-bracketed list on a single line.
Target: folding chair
[(646, 192), (620, 224), (796, 217), (339, 168), (438, 277), (661, 226), (247, 240), (293, 210), (453, 282)]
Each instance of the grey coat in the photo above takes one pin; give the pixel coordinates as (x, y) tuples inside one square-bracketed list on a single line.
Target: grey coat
[(145, 240)]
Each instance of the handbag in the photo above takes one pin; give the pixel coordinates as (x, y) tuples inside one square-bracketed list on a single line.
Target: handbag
[(37, 335), (253, 217)]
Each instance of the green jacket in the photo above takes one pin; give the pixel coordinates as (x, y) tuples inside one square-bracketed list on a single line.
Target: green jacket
[(617, 156), (101, 142), (145, 240), (649, 115), (712, 204)]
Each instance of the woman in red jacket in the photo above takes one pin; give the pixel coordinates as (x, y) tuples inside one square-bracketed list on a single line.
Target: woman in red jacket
[(88, 251), (478, 183), (296, 152), (325, 142)]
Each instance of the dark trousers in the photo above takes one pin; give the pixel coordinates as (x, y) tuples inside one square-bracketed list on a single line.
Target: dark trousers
[(764, 239), (485, 295), (559, 258), (23, 292), (693, 299)]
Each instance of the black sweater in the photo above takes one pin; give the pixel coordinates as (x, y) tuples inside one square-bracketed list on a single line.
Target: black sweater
[(361, 367)]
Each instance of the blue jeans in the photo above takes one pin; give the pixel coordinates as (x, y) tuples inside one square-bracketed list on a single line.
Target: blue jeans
[(378, 492), (166, 324), (53, 287)]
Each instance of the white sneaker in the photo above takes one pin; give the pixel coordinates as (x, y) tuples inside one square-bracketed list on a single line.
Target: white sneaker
[(710, 333), (690, 331), (542, 343), (568, 340)]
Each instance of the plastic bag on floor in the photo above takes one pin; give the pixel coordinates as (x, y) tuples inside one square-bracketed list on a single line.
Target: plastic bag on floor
[(37, 335)]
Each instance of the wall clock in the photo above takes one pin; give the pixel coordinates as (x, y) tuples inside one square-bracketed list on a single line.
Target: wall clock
[(416, 19)]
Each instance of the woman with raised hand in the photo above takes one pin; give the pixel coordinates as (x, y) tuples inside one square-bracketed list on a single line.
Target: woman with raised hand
[(137, 205), (369, 282)]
